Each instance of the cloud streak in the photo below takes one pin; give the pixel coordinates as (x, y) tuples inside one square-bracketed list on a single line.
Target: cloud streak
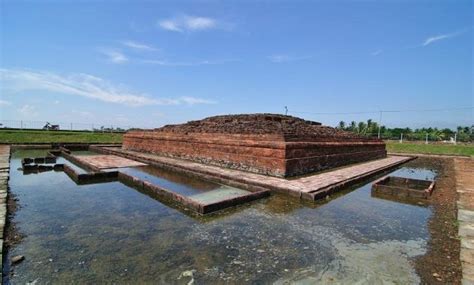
[(5, 103), (138, 46), (114, 56), (441, 37), (284, 58), (188, 23), (377, 52), (85, 85), (185, 63)]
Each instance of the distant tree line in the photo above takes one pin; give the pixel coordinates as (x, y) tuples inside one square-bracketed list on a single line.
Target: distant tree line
[(103, 129), (371, 128)]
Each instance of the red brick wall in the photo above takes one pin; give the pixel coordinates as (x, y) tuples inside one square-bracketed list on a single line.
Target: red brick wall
[(265, 154)]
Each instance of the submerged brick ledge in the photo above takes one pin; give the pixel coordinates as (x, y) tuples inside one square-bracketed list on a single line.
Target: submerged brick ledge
[(309, 187), (96, 175), (189, 202)]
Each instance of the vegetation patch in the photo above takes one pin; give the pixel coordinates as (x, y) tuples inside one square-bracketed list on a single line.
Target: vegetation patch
[(40, 136), (434, 148)]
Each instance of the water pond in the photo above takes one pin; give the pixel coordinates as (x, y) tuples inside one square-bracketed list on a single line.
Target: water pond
[(110, 233)]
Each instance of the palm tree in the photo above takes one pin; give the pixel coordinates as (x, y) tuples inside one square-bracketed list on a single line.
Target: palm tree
[(362, 127), (342, 125), (353, 126)]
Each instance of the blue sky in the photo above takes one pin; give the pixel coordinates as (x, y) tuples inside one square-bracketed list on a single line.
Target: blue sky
[(149, 63)]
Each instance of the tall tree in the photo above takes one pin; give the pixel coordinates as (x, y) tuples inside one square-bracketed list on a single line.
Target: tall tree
[(342, 125)]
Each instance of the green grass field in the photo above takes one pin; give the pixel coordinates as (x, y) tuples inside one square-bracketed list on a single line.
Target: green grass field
[(446, 149), (39, 136)]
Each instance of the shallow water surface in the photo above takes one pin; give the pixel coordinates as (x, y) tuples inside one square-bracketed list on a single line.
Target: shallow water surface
[(178, 182), (110, 233)]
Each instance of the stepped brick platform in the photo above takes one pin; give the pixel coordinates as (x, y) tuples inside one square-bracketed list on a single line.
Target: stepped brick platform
[(269, 144), (311, 187)]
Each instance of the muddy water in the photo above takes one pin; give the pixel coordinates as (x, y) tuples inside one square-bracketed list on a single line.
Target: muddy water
[(110, 233)]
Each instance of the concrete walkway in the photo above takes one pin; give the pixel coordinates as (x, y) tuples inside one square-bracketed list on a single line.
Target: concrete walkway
[(4, 175), (464, 169), (310, 187)]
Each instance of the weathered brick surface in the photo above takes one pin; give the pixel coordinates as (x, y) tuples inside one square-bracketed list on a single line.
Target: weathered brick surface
[(274, 145), (90, 178), (107, 161), (310, 187), (403, 187)]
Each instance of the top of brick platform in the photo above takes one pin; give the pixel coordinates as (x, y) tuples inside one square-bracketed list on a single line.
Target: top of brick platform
[(289, 127)]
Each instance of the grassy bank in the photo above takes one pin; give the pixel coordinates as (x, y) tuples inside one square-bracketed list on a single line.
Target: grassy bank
[(39, 136), (446, 149)]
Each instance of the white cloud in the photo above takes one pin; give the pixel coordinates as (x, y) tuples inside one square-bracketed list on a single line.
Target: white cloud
[(192, 100), (114, 56), (199, 23), (139, 46), (170, 25), (188, 23), (28, 111), (186, 63), (377, 52), (437, 38), (5, 103), (84, 85), (282, 58)]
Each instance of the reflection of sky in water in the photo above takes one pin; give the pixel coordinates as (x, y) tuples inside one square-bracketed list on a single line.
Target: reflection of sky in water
[(416, 173), (174, 181), (112, 233)]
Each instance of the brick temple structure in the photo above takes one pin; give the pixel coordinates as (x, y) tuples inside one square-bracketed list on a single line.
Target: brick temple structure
[(269, 144)]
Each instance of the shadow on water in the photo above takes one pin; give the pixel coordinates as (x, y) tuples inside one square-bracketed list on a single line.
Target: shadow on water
[(110, 233)]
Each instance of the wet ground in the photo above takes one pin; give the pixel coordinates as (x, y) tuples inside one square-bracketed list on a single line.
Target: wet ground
[(112, 233), (441, 264)]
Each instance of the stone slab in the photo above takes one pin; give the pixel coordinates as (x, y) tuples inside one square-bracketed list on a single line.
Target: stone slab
[(466, 229), (464, 172), (218, 195), (466, 216), (4, 175), (108, 161)]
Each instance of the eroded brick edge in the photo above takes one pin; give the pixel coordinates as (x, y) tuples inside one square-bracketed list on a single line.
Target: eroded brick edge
[(4, 178), (379, 187)]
